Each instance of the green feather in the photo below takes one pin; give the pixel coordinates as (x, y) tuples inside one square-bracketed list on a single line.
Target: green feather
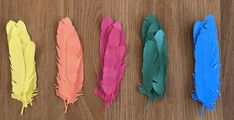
[(155, 59)]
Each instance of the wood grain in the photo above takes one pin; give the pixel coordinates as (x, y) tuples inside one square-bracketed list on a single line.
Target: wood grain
[(227, 54), (177, 17)]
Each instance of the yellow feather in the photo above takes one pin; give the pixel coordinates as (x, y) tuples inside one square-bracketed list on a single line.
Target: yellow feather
[(23, 70)]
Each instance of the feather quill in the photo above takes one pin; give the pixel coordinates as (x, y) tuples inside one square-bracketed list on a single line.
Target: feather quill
[(112, 52), (23, 70), (70, 63), (154, 69), (207, 66)]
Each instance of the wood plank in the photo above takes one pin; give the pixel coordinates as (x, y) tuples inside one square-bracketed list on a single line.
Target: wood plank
[(227, 54)]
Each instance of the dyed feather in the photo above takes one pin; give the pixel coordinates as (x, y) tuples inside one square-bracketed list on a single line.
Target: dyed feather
[(112, 52), (70, 63), (23, 70), (207, 66), (154, 69)]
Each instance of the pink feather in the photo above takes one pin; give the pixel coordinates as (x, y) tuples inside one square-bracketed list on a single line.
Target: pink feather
[(70, 63), (112, 52)]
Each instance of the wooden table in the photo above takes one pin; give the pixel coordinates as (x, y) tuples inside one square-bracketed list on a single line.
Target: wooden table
[(177, 17)]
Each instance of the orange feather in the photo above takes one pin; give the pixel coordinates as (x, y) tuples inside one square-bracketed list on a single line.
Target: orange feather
[(70, 63)]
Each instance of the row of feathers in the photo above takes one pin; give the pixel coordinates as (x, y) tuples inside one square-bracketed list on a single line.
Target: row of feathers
[(70, 75)]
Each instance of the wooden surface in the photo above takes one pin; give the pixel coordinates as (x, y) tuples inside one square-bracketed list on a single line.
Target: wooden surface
[(177, 17), (227, 44)]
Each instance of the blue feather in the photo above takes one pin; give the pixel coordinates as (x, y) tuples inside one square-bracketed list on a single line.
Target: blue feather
[(207, 65)]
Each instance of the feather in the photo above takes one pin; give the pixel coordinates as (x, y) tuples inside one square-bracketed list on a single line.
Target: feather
[(154, 68), (207, 66), (112, 52), (23, 70), (70, 63)]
